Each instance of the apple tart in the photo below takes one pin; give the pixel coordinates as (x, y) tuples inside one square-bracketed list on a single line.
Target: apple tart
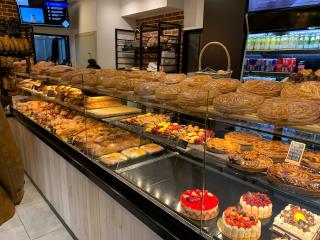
[(242, 138), (237, 103), (264, 88), (311, 159), (222, 146), (285, 111), (276, 150)]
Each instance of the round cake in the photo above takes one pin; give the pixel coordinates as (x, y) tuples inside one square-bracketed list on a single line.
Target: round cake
[(238, 224), (258, 204), (192, 200), (242, 138)]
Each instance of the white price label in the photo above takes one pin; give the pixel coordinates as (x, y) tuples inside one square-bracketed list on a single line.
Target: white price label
[(295, 152)]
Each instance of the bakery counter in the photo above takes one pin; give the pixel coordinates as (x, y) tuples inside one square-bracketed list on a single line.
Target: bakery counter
[(82, 188)]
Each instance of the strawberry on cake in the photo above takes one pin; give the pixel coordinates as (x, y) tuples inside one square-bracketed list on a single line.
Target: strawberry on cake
[(199, 205), (258, 204), (238, 224)]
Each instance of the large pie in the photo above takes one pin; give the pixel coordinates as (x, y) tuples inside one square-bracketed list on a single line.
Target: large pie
[(223, 146), (276, 150), (307, 90), (284, 111), (242, 138), (237, 103), (264, 88)]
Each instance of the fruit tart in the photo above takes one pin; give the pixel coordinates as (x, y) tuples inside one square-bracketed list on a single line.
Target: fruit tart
[(134, 152), (311, 159), (192, 200), (238, 224), (276, 150), (146, 119), (297, 223), (250, 161), (256, 203)]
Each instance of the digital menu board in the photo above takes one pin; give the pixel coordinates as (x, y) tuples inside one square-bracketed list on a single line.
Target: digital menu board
[(262, 5), (42, 12)]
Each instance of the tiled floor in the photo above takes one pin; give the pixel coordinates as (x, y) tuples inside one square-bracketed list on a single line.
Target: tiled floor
[(34, 220)]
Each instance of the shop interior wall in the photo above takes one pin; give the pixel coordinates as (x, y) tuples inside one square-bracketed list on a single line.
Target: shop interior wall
[(224, 21)]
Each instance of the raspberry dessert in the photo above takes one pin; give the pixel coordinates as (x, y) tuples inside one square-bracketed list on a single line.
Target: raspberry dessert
[(192, 200), (238, 224), (258, 204)]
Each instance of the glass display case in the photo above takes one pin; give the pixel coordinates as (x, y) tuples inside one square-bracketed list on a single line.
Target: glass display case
[(215, 172)]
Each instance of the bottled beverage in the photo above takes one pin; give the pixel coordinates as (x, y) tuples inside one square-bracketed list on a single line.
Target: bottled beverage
[(306, 41), (301, 41), (295, 41), (317, 41), (267, 42), (313, 43), (278, 43), (257, 43), (272, 45)]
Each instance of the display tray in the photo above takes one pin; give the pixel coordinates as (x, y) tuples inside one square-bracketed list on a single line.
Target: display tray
[(245, 169), (166, 179)]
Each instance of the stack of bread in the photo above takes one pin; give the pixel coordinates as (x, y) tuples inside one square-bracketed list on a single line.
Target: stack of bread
[(13, 44)]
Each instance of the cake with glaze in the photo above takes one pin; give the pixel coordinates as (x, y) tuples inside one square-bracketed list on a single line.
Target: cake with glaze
[(199, 205)]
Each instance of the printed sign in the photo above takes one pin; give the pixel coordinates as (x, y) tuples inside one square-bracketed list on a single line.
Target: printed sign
[(295, 152)]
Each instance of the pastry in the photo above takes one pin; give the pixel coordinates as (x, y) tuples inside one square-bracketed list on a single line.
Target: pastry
[(146, 88), (276, 150), (113, 158), (225, 85), (303, 179), (196, 98), (219, 145), (134, 152), (297, 223), (199, 205), (305, 90), (238, 224), (152, 148), (250, 161), (311, 159), (237, 103), (146, 119), (196, 81), (285, 111), (167, 92), (126, 85), (265, 88), (242, 138), (152, 76), (173, 78), (257, 204)]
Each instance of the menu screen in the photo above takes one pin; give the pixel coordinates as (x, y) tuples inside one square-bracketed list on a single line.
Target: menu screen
[(261, 5), (42, 12)]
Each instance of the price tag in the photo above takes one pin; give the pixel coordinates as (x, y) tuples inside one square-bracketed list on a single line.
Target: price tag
[(295, 152), (182, 144)]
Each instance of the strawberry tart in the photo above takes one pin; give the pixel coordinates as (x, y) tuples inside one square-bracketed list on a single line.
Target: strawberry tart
[(199, 205), (258, 204), (238, 224)]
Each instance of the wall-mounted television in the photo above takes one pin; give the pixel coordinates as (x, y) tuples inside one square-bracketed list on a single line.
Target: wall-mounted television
[(265, 5), (43, 12)]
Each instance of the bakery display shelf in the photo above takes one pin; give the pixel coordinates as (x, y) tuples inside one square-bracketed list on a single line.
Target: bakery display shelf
[(284, 51), (25, 75), (15, 54)]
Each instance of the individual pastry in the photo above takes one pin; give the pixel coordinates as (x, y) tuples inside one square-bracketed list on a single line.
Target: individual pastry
[(173, 78), (250, 161), (276, 150), (199, 205), (196, 98), (239, 224), (146, 119), (126, 85), (219, 145), (113, 158), (195, 81), (168, 92), (283, 111), (134, 152), (311, 159), (242, 138), (306, 90), (152, 76), (297, 223), (257, 204), (152, 148), (237, 103), (225, 85), (265, 88), (302, 178)]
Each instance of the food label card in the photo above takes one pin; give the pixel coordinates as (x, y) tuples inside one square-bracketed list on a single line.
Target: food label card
[(295, 152)]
